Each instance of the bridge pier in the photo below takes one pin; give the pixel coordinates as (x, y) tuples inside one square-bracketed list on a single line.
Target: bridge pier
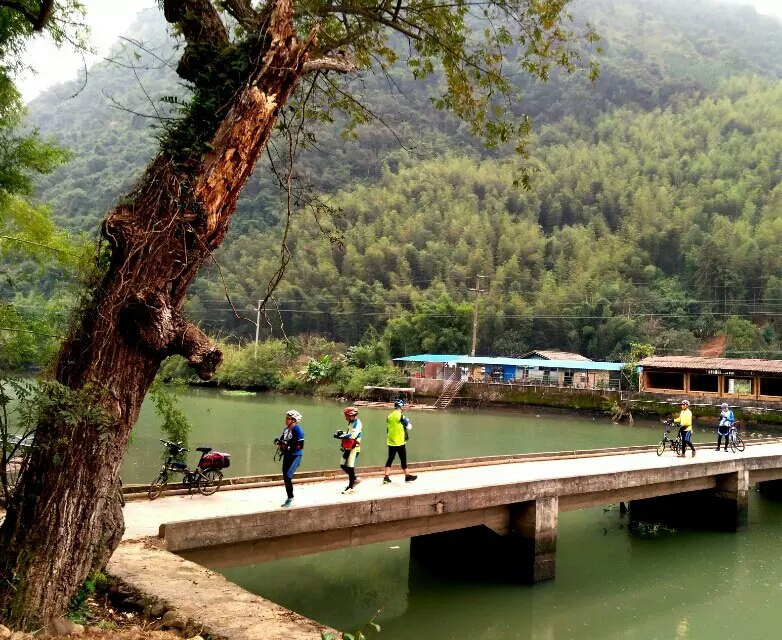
[(725, 507), (524, 551), (732, 498), (533, 537)]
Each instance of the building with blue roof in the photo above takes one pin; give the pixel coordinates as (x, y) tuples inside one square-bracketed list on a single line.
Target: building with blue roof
[(579, 374)]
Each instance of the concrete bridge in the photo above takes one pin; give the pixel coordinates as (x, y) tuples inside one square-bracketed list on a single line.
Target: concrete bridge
[(510, 503)]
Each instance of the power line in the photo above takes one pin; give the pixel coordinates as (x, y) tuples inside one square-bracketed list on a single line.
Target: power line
[(514, 316)]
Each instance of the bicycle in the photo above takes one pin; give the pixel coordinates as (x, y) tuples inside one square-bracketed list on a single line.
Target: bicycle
[(674, 445), (734, 439), (206, 478), (16, 450)]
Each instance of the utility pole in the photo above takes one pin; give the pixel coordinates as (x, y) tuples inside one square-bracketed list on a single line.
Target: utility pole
[(478, 292), (257, 326)]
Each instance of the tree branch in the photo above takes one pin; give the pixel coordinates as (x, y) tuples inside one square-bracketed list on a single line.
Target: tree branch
[(43, 15), (153, 322), (340, 64), (372, 16), (243, 13), (203, 355), (202, 29), (198, 19), (38, 20)]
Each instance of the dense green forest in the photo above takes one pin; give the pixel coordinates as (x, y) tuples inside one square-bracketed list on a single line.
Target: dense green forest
[(651, 227), (654, 215), (653, 53)]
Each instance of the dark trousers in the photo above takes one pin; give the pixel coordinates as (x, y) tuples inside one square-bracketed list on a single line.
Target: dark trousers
[(393, 451), (351, 475), (720, 434), (686, 435), (289, 466)]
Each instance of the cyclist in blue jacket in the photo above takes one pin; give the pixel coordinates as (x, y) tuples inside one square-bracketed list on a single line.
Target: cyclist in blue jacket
[(290, 443), (727, 418)]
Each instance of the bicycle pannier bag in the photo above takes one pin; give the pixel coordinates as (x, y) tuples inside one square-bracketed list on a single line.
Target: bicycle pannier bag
[(216, 460)]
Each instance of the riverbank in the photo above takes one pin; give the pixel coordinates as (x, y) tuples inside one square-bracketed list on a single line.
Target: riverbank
[(619, 405)]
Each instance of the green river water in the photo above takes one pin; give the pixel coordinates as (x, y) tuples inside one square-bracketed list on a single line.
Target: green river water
[(610, 584)]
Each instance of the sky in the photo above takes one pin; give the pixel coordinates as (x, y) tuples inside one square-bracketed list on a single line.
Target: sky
[(108, 19)]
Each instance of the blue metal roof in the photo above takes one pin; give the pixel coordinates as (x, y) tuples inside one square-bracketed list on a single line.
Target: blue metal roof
[(430, 357), (527, 363)]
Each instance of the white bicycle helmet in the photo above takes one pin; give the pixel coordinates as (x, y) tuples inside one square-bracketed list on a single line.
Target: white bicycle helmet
[(294, 414)]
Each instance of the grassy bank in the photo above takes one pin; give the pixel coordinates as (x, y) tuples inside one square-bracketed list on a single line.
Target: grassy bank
[(311, 366)]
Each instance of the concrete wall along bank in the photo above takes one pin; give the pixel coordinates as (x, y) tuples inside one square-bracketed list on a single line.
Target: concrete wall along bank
[(533, 395)]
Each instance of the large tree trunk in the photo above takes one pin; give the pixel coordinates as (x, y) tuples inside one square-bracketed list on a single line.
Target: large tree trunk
[(65, 518)]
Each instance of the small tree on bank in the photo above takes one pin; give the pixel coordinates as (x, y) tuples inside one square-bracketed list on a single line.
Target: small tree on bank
[(244, 64)]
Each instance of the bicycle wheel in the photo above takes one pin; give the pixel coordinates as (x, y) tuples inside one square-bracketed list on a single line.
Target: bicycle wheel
[(210, 481), (675, 445), (740, 443), (661, 447), (157, 486)]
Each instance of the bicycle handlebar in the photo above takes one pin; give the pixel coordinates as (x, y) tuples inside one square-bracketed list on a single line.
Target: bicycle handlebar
[(174, 445)]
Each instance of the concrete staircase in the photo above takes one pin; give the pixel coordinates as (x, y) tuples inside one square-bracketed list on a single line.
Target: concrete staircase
[(451, 387)]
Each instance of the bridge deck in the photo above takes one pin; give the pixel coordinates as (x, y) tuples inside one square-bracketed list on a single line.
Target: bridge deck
[(439, 500)]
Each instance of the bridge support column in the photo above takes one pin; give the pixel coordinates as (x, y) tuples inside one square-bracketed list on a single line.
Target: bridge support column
[(732, 498), (524, 551), (533, 533)]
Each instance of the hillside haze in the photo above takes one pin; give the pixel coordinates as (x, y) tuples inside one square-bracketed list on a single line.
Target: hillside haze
[(655, 213)]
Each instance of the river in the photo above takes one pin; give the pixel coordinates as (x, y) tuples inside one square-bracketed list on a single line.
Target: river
[(610, 584), (246, 425)]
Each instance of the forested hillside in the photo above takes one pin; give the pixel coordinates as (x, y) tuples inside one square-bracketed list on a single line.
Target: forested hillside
[(655, 212), (653, 50), (644, 227)]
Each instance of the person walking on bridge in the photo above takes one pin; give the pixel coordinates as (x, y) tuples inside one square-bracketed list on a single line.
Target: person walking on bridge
[(350, 446), (397, 426), (290, 444), (685, 428)]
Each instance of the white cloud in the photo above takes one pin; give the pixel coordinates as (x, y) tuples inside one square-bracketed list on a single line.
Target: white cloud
[(767, 7), (107, 21)]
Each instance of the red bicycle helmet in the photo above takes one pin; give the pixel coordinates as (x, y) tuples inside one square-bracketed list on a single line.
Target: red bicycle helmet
[(350, 412)]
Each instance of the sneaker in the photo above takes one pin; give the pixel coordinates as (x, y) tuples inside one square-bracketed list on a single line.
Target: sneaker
[(287, 503), (386, 480), (693, 453), (348, 490), (717, 449), (410, 478)]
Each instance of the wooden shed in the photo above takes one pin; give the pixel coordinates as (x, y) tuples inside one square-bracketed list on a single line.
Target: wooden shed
[(741, 378)]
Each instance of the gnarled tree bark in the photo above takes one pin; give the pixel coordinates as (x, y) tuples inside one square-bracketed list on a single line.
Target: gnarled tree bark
[(158, 238)]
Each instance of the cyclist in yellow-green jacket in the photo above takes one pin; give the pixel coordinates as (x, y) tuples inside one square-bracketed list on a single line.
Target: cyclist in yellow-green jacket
[(685, 428), (397, 426)]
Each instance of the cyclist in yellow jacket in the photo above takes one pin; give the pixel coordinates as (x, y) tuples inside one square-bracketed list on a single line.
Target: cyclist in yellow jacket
[(397, 426), (685, 428)]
